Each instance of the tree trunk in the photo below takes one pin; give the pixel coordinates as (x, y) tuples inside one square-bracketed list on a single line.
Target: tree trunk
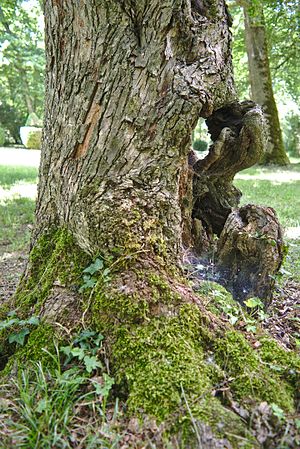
[(126, 82), (261, 82)]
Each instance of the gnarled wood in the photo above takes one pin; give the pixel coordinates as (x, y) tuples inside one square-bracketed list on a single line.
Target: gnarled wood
[(250, 252), (238, 136)]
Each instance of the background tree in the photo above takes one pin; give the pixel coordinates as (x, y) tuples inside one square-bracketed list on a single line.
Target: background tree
[(125, 85), (260, 79), (280, 26), (21, 64)]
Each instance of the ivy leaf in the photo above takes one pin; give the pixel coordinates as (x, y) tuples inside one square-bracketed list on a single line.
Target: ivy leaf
[(105, 274), (233, 319), (6, 324), (94, 267), (253, 302), (19, 337), (34, 320), (42, 405), (97, 339), (66, 350), (104, 388), (84, 335), (89, 282), (78, 352), (91, 363), (251, 328), (278, 412)]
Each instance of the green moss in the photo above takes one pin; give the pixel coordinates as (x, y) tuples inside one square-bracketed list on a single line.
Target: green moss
[(250, 377), (224, 423), (39, 339), (161, 290), (164, 355), (54, 258), (167, 371), (113, 305), (110, 310), (285, 363), (160, 358)]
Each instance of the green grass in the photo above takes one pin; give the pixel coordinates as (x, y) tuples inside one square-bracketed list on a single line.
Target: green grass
[(282, 192), (284, 197), (10, 175), (292, 261), (55, 408), (16, 218), (16, 212)]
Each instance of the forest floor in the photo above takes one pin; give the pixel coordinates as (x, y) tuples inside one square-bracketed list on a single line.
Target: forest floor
[(271, 186)]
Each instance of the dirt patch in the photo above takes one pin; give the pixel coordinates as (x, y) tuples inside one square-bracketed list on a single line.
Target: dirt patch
[(12, 266), (284, 315)]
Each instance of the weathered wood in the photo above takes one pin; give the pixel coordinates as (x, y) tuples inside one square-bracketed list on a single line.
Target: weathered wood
[(125, 84), (250, 252), (238, 134)]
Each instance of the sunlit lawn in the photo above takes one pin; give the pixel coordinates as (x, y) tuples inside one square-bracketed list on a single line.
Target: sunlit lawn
[(17, 197), (283, 195), (279, 188)]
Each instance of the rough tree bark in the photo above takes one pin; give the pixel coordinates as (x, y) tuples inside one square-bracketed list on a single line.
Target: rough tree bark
[(250, 249), (126, 82), (261, 82)]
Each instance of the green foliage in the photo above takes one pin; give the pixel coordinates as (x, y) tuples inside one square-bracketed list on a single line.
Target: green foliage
[(281, 20), (21, 63), (200, 145), (33, 120), (2, 136), (18, 328), (85, 348), (11, 117), (49, 405)]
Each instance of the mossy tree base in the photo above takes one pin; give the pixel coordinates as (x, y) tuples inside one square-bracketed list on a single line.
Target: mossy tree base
[(122, 99), (172, 359)]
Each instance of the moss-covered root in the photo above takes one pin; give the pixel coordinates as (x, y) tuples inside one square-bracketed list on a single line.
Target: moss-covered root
[(38, 348), (168, 359), (48, 290), (172, 372), (55, 260)]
